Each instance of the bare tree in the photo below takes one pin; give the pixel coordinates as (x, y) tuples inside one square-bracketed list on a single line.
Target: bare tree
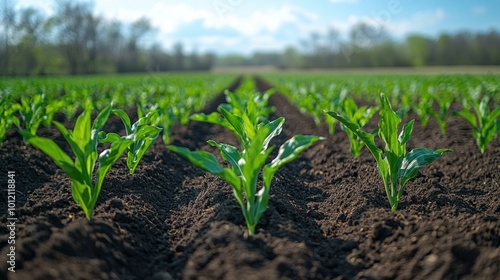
[(8, 23), (29, 31), (110, 43), (77, 29), (178, 56), (130, 57)]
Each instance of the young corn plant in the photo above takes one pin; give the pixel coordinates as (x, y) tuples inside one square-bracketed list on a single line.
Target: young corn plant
[(248, 162), (395, 165), (444, 101), (83, 141), (357, 115), (7, 117), (252, 110), (33, 112), (164, 116), (423, 107), (485, 122), (333, 102), (141, 133)]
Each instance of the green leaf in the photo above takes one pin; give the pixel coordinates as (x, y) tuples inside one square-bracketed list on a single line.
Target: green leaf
[(275, 128), (388, 127), (405, 134), (81, 131), (415, 159), (80, 154), (102, 118), (236, 122), (82, 194), (125, 119), (109, 138), (110, 156), (231, 154), (148, 131), (249, 126), (207, 162), (468, 116), (213, 118), (106, 159), (367, 138), (494, 115), (60, 158), (289, 151), (143, 139), (254, 159), (484, 110)]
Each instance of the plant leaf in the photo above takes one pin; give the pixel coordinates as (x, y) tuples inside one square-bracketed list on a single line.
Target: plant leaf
[(235, 121), (110, 156), (405, 134), (144, 138), (367, 138), (109, 138), (60, 158), (388, 127), (79, 153), (469, 117), (275, 128), (213, 118), (125, 119), (289, 151), (229, 153), (415, 159), (82, 195), (102, 118), (208, 162)]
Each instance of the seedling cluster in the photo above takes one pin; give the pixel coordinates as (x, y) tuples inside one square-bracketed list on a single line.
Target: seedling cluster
[(395, 165), (247, 118), (246, 114)]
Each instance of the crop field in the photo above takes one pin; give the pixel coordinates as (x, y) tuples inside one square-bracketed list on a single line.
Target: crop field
[(276, 176)]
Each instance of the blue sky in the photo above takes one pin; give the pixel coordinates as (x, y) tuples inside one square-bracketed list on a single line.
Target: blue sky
[(244, 26)]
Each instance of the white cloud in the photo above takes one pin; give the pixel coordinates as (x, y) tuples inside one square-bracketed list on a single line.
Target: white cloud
[(398, 28), (418, 22), (257, 29), (240, 44), (479, 11), (169, 18)]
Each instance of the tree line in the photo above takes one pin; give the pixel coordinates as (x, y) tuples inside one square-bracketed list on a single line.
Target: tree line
[(76, 41), (372, 46)]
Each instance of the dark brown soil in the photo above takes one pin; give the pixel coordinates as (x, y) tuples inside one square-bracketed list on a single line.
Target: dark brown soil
[(328, 215)]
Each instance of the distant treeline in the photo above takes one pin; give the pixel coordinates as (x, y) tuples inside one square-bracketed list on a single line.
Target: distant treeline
[(369, 46), (76, 41)]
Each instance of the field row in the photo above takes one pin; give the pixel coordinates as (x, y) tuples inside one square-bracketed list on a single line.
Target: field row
[(323, 214)]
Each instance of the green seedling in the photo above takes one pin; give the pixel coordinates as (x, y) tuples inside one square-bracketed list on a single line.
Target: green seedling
[(395, 165), (141, 133), (248, 162), (423, 108), (444, 101), (357, 115), (83, 141), (333, 101), (35, 111), (7, 117), (485, 123)]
